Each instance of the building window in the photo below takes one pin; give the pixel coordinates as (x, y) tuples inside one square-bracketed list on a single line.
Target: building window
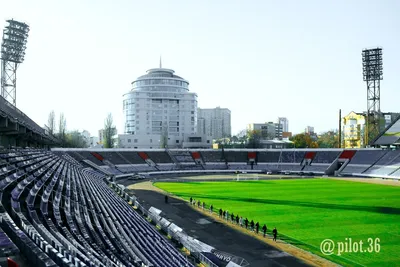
[(135, 140), (129, 140), (151, 140), (177, 141)]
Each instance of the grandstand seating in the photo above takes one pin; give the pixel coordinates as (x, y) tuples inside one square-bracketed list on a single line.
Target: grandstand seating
[(213, 156), (60, 214), (181, 156), (239, 156), (325, 156), (287, 156), (132, 157), (269, 156), (386, 165), (362, 160), (369, 161), (114, 158), (160, 157)]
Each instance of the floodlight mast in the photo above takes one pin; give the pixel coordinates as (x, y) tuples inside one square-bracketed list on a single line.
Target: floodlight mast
[(13, 46), (372, 74)]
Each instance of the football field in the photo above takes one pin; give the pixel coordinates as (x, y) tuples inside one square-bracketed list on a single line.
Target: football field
[(357, 223)]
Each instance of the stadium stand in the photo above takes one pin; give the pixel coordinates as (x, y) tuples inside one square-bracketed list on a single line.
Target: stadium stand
[(238, 156), (318, 161), (386, 165), (181, 156), (362, 160), (269, 156), (115, 158), (326, 157), (212, 156), (132, 157), (58, 213), (160, 157), (21, 131)]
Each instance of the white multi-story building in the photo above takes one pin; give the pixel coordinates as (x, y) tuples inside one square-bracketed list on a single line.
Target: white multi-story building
[(159, 112), (215, 122), (309, 130), (268, 130), (285, 123)]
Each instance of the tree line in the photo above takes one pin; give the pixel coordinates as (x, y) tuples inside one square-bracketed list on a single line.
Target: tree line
[(253, 139), (74, 138)]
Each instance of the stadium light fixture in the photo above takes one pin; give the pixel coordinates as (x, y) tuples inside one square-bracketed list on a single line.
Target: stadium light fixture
[(372, 75), (13, 46)]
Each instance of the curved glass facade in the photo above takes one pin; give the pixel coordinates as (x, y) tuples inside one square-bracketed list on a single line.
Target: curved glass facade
[(160, 104)]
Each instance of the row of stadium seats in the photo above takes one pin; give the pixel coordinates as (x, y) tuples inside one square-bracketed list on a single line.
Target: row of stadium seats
[(374, 162), (185, 156), (368, 161), (58, 213)]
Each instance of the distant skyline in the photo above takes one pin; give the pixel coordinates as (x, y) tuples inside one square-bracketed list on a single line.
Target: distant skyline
[(260, 59)]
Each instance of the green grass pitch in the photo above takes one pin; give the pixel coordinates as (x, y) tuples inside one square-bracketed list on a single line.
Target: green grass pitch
[(307, 211)]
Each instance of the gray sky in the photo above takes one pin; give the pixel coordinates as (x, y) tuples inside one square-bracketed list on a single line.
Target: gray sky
[(261, 59)]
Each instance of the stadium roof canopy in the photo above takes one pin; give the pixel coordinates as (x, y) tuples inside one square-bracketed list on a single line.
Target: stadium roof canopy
[(390, 136)]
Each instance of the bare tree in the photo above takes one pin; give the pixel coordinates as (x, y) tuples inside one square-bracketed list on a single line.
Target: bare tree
[(164, 135), (62, 127), (109, 131), (51, 122)]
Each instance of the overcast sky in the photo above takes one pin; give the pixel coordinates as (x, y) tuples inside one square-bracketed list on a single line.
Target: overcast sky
[(261, 59)]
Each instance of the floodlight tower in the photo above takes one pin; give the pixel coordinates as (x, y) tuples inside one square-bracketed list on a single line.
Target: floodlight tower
[(372, 74), (15, 36)]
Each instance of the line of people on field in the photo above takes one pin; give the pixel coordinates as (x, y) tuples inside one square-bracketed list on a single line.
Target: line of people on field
[(230, 217)]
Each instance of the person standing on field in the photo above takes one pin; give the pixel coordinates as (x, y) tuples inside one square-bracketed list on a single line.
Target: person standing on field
[(237, 219), (246, 223), (257, 227), (275, 233), (264, 228)]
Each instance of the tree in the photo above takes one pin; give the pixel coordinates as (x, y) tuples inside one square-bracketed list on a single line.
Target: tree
[(51, 122), (62, 128), (164, 135), (109, 132), (75, 139), (234, 139), (254, 139), (242, 136), (329, 139), (303, 140)]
